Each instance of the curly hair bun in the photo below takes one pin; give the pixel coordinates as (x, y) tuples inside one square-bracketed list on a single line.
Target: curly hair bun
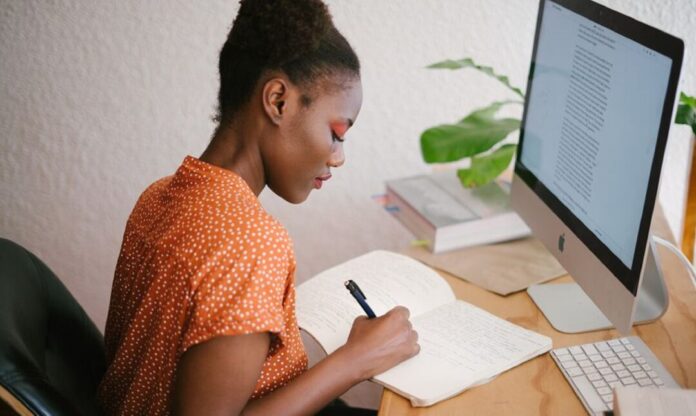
[(279, 31)]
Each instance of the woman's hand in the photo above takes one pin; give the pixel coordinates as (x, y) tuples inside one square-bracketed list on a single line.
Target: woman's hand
[(379, 344)]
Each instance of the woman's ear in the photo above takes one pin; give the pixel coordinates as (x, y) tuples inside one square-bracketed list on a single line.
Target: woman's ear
[(275, 97)]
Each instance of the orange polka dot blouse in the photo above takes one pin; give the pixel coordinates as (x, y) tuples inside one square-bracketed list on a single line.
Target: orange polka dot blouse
[(200, 258)]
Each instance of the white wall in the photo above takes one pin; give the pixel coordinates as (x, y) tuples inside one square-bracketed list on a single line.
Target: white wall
[(100, 98)]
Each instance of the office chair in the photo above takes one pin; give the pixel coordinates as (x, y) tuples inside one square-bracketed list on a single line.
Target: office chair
[(51, 354)]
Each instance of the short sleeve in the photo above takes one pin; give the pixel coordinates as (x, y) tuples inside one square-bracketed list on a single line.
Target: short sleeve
[(245, 298)]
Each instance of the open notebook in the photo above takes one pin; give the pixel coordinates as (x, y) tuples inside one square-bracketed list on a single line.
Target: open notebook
[(461, 345)]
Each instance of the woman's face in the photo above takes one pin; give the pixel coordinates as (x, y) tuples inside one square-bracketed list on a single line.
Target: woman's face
[(311, 139)]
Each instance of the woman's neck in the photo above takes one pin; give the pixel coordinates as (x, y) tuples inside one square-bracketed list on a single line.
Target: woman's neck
[(235, 147)]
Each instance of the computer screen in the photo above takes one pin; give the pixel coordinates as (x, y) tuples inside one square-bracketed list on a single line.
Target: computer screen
[(597, 100), (592, 121), (599, 104)]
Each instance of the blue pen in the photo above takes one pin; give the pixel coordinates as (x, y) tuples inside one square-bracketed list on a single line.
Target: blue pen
[(358, 294)]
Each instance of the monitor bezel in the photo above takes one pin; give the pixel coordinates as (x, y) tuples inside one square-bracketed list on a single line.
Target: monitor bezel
[(658, 41)]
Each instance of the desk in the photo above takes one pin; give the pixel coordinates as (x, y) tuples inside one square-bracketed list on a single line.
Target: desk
[(537, 387)]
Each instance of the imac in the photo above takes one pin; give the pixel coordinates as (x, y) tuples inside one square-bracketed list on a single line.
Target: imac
[(600, 102)]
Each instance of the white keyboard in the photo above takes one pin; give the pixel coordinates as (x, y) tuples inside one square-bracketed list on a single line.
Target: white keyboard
[(593, 370)]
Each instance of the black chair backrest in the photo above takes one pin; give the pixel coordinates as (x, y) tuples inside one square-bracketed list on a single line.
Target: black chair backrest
[(51, 354)]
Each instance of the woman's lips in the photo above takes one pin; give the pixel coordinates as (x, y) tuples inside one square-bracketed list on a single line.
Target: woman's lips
[(320, 179)]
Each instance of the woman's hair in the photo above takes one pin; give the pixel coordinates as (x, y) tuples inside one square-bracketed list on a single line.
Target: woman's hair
[(296, 37)]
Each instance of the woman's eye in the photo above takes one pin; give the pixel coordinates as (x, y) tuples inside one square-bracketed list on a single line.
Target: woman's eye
[(335, 137)]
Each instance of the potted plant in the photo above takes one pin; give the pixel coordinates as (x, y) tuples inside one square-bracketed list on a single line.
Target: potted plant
[(477, 136)]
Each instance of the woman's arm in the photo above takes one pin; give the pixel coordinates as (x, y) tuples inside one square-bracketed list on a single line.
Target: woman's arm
[(218, 376)]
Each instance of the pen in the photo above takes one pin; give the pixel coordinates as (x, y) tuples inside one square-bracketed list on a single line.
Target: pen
[(358, 294)]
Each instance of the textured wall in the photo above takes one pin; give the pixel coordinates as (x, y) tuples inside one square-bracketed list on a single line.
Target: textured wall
[(100, 98)]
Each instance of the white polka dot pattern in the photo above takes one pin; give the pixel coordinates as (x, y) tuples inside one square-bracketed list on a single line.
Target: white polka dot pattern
[(200, 258)]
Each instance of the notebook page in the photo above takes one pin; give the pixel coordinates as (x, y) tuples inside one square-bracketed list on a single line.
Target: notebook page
[(461, 346), (326, 309)]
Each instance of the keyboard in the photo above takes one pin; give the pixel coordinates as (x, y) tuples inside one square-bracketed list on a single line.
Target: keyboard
[(593, 370)]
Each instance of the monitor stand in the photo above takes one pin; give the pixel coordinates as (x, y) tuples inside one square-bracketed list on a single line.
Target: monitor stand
[(570, 310)]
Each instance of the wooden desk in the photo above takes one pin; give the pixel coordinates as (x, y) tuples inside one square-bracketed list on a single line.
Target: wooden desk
[(537, 387)]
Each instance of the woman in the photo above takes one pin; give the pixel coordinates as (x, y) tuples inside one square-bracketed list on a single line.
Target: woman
[(202, 318)]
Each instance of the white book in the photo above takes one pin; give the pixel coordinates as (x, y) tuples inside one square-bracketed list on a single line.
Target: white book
[(439, 210), (461, 345), (636, 401)]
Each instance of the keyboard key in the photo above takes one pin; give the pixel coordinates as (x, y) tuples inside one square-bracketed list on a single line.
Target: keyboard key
[(585, 363), (605, 371), (629, 361), (575, 350), (659, 382), (601, 364), (628, 381), (652, 374), (594, 377), (619, 348), (566, 357), (641, 360), (596, 357), (647, 367), (630, 347), (613, 360), (594, 401), (635, 353), (561, 351), (604, 390), (623, 373), (610, 377), (623, 355), (569, 364), (640, 374), (608, 398), (589, 349), (619, 367), (580, 357), (625, 341), (613, 384), (634, 368), (599, 383), (602, 346), (575, 371), (614, 342), (589, 370), (645, 382), (608, 354)]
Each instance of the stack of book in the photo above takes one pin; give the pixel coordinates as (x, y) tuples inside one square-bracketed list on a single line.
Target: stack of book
[(438, 210)]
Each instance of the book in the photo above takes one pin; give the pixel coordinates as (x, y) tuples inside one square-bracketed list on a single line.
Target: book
[(461, 345), (437, 209), (636, 401)]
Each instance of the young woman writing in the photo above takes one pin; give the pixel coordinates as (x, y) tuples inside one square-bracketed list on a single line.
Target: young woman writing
[(202, 313)]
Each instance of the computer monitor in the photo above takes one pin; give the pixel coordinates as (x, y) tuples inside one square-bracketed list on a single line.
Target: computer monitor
[(599, 104)]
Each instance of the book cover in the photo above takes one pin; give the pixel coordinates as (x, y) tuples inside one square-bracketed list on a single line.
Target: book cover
[(438, 209)]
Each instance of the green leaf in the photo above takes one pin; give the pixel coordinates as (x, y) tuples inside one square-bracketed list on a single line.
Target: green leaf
[(488, 113), (476, 133), (469, 63), (685, 99), (686, 112), (486, 168)]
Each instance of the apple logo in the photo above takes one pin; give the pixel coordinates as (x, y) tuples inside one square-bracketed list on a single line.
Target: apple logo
[(561, 242)]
